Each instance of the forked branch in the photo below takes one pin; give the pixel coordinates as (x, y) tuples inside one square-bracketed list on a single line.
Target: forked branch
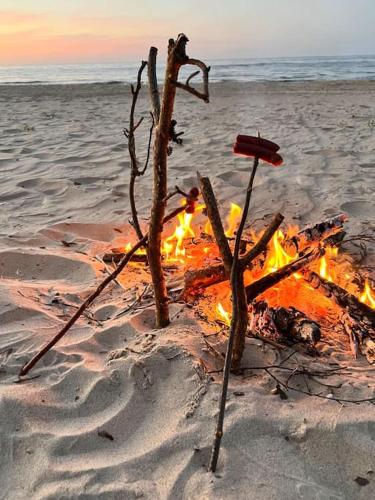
[(192, 90)]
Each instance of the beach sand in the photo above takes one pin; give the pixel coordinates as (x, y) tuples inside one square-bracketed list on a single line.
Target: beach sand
[(63, 199)]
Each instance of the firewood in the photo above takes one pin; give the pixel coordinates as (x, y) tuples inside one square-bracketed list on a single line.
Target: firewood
[(116, 257), (263, 284), (342, 297), (216, 223), (285, 325), (310, 236), (315, 233)]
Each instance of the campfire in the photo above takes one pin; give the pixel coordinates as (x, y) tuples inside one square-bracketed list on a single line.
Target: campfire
[(189, 248)]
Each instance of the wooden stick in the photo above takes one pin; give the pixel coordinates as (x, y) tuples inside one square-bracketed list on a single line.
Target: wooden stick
[(215, 274), (260, 286), (238, 324), (153, 83), (26, 368), (340, 296), (261, 245), (215, 219), (176, 58)]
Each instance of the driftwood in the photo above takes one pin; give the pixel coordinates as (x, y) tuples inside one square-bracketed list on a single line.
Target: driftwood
[(358, 319), (343, 298), (216, 223), (27, 367), (176, 58), (263, 284), (283, 325), (310, 236)]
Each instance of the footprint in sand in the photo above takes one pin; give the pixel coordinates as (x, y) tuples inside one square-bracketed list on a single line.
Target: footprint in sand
[(359, 209)]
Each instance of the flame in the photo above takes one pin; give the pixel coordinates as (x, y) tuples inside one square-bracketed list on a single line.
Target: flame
[(278, 256), (326, 268), (233, 219), (173, 246), (223, 314), (368, 296)]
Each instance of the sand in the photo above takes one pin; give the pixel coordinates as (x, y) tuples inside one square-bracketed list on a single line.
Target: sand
[(63, 199)]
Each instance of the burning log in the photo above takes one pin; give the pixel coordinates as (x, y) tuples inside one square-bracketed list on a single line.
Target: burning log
[(316, 233), (263, 284), (358, 320), (343, 298), (309, 236), (283, 325)]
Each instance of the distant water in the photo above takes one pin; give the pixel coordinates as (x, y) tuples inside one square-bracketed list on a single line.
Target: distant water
[(243, 70)]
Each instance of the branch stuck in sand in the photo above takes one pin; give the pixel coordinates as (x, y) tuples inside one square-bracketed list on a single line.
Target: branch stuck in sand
[(176, 58)]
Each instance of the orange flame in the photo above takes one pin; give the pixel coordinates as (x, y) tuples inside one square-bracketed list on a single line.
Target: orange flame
[(233, 219), (326, 268), (173, 246), (223, 314), (278, 256), (368, 296)]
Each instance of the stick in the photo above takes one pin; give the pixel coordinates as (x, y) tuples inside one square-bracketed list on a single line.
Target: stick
[(215, 219), (153, 83), (238, 324), (216, 274), (340, 296), (130, 134), (261, 245), (176, 58), (25, 369), (260, 286)]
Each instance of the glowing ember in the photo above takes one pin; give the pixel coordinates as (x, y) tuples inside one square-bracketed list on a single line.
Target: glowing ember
[(368, 296), (223, 314), (233, 220)]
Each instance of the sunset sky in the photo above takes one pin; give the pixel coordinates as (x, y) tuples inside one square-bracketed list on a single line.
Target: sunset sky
[(69, 31)]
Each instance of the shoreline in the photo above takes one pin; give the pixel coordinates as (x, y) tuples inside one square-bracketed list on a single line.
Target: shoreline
[(120, 89)]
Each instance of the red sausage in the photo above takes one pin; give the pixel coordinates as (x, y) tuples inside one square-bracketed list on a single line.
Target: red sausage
[(258, 141), (253, 150)]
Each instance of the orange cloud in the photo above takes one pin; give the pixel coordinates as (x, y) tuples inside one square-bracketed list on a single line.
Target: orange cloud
[(30, 38)]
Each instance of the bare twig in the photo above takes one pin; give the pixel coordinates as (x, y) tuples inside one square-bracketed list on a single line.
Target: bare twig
[(130, 134), (153, 83), (186, 86), (215, 220)]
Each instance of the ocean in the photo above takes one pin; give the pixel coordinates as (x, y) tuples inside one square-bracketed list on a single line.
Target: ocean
[(243, 70)]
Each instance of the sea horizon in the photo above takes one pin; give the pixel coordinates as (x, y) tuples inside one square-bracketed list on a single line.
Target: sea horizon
[(294, 68)]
